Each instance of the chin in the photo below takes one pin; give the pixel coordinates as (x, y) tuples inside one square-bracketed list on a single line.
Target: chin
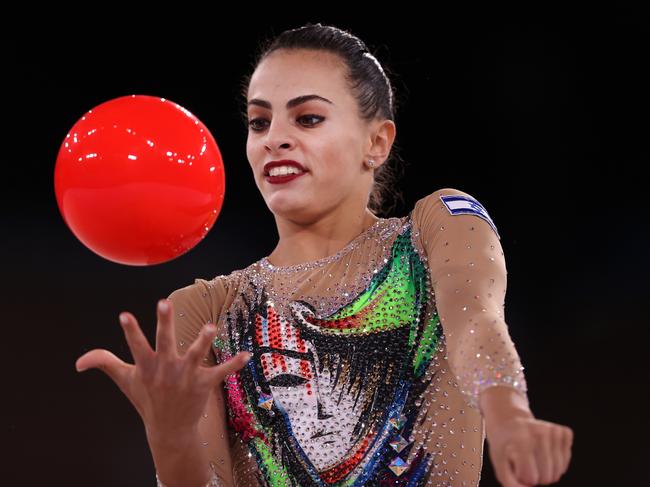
[(296, 214)]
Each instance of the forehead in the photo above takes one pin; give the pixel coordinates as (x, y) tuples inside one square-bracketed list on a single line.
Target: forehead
[(287, 74)]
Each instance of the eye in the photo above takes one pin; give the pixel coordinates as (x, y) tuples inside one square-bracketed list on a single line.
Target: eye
[(255, 128), (287, 380), (252, 122), (312, 116)]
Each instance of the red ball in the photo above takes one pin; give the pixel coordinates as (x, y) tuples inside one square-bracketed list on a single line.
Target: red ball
[(139, 180)]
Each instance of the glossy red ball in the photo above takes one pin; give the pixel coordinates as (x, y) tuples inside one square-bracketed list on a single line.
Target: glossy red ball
[(139, 180)]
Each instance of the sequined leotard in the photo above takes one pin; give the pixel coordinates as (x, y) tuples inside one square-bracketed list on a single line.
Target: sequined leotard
[(367, 364)]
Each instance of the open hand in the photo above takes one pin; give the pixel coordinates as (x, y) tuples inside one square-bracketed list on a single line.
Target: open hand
[(169, 391)]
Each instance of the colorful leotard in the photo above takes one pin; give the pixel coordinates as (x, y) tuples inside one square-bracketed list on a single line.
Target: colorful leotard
[(367, 365)]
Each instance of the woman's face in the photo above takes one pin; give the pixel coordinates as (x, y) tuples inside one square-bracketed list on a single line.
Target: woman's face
[(328, 138)]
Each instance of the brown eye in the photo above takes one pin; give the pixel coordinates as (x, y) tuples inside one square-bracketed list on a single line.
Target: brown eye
[(312, 116), (256, 128), (252, 122)]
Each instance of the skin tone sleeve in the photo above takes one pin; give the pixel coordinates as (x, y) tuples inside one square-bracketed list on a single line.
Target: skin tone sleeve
[(468, 275), (194, 306)]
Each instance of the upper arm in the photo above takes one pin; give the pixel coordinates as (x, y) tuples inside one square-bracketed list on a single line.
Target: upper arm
[(195, 306), (464, 252)]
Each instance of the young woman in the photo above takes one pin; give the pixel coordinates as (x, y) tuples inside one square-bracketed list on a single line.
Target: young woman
[(363, 350)]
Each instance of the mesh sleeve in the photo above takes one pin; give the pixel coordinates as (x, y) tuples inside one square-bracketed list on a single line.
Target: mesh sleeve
[(194, 306), (468, 275)]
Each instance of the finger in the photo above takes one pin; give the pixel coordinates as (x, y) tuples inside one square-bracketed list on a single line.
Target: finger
[(567, 444), (525, 467), (544, 458), (106, 361), (165, 329), (138, 343), (557, 450), (507, 473), (231, 365), (201, 345)]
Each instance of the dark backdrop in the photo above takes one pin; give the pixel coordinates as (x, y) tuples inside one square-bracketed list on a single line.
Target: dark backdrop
[(541, 116)]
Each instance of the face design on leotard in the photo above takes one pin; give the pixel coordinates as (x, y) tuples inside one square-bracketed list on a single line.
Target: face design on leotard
[(328, 393), (322, 417)]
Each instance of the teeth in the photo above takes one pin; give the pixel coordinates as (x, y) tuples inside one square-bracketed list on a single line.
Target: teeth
[(281, 170)]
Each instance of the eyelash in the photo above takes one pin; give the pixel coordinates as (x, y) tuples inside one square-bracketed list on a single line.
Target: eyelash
[(250, 123)]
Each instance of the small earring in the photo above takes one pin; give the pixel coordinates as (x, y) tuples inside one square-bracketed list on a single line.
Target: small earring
[(371, 162)]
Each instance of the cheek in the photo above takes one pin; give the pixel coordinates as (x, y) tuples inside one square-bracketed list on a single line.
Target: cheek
[(335, 162), (252, 156), (345, 155), (249, 149)]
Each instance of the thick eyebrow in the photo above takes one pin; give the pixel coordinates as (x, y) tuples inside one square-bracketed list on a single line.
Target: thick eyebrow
[(291, 103)]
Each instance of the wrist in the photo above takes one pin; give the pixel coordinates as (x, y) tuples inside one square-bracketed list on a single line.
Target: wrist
[(172, 438), (501, 403), (179, 457)]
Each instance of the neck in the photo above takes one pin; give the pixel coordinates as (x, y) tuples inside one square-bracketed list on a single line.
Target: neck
[(300, 243)]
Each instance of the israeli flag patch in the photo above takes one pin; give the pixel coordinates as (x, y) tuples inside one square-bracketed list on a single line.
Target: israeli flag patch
[(466, 205)]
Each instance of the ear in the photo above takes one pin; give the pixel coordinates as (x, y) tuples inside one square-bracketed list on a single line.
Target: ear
[(382, 136)]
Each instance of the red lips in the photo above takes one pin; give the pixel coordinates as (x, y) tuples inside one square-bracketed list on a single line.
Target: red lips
[(284, 162)]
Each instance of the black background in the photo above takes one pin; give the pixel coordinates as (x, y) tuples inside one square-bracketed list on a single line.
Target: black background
[(542, 116)]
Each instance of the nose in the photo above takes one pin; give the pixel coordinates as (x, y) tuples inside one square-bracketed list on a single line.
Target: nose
[(272, 147), (277, 137)]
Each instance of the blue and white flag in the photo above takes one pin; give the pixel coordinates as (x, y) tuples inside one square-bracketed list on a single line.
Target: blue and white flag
[(466, 205)]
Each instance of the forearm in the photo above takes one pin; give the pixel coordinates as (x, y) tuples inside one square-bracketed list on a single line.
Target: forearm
[(181, 460)]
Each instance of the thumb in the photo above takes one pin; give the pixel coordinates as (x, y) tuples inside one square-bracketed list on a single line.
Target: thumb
[(232, 365), (106, 361)]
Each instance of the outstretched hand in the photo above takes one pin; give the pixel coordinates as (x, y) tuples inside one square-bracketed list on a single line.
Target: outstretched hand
[(169, 391)]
